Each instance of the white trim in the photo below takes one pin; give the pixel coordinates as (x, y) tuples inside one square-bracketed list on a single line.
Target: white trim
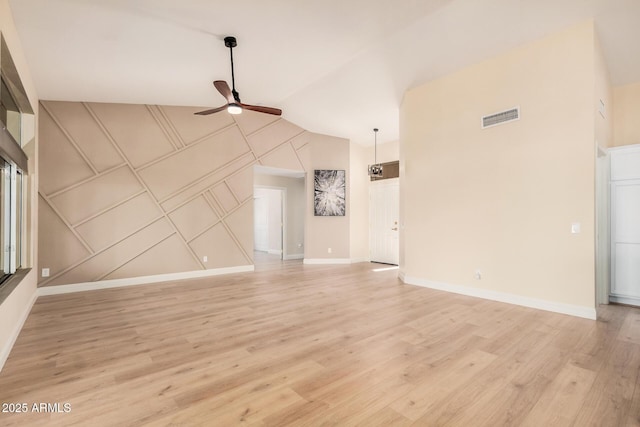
[(6, 350), (293, 256), (274, 252), (327, 261), (632, 147), (361, 259), (625, 300), (142, 280), (556, 307)]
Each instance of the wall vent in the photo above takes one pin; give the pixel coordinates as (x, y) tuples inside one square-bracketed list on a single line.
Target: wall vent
[(501, 117)]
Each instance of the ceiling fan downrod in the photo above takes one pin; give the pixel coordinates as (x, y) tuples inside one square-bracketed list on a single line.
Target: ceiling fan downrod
[(231, 42)]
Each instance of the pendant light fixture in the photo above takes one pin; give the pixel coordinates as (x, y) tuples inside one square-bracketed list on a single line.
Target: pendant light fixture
[(375, 170)]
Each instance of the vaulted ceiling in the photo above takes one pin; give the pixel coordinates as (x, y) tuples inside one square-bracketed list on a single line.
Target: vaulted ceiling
[(338, 67)]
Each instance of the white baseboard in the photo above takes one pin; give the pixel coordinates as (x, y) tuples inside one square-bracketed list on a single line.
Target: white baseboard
[(294, 256), (357, 260), (556, 307), (327, 261), (4, 353), (274, 252), (625, 300), (142, 280)]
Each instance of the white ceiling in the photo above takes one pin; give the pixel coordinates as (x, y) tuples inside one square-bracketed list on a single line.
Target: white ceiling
[(338, 67)]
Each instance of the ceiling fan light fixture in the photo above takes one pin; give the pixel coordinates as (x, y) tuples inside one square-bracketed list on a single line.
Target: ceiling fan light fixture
[(234, 105), (234, 108)]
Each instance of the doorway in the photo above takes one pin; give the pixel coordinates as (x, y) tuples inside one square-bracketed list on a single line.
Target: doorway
[(384, 207), (279, 215)]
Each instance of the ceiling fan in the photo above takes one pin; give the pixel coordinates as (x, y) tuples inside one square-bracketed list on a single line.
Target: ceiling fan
[(234, 105)]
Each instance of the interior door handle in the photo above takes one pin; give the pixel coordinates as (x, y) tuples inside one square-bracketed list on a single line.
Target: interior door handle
[(394, 229)]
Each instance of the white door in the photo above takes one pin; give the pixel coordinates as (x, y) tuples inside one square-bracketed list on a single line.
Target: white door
[(625, 241), (384, 206), (268, 220), (261, 222)]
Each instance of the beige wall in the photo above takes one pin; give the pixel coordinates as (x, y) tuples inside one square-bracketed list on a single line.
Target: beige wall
[(503, 199), (137, 190), (603, 92), (326, 232), (359, 218), (16, 306), (626, 111), (296, 200), (387, 152)]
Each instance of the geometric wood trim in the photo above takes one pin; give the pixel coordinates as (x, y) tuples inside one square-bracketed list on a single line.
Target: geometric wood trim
[(202, 178), (235, 239), (169, 123), (193, 144), (226, 184), (165, 124), (222, 217), (279, 146), (66, 223), (215, 204), (147, 249), (260, 129), (86, 180), (209, 180), (164, 127), (105, 210), (100, 251), (298, 155), (141, 181), (69, 138)]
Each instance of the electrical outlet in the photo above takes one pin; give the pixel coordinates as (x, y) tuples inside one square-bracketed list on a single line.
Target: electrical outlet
[(205, 258), (45, 272), (328, 250), (478, 275)]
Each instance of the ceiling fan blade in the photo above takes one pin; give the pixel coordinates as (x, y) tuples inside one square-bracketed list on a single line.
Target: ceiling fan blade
[(213, 110), (260, 109), (224, 90)]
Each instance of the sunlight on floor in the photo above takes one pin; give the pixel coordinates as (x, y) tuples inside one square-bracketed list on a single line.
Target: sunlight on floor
[(393, 267)]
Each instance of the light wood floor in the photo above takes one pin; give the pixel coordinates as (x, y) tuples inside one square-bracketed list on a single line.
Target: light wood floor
[(318, 345)]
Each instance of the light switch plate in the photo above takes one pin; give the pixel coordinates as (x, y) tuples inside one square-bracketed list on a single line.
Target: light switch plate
[(575, 228)]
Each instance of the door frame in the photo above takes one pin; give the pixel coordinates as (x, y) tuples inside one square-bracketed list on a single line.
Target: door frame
[(603, 271), (380, 183)]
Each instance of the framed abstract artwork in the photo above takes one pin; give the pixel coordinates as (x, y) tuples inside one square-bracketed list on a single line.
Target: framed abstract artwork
[(329, 192)]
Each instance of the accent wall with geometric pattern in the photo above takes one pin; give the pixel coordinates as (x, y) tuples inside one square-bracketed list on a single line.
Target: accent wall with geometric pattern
[(136, 190)]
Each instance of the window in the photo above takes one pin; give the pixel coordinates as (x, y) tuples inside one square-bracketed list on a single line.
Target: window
[(11, 185), (17, 129), (10, 215)]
